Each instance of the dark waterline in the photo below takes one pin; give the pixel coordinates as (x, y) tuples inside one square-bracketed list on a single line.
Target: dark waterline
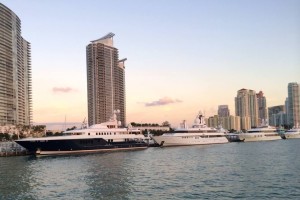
[(257, 170)]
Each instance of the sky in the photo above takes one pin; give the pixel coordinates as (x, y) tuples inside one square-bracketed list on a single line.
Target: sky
[(183, 56)]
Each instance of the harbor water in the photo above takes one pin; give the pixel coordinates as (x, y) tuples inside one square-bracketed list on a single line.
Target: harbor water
[(254, 170)]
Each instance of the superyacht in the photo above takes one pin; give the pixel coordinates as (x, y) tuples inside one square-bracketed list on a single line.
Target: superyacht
[(107, 136), (198, 134), (261, 133)]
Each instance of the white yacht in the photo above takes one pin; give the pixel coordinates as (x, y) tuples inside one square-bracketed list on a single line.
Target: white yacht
[(292, 133), (107, 136), (199, 134), (261, 133)]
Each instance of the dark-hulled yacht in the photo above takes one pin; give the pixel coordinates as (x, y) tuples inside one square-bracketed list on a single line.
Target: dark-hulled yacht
[(107, 136)]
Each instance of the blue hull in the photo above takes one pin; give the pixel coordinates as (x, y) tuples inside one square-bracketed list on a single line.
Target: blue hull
[(77, 146)]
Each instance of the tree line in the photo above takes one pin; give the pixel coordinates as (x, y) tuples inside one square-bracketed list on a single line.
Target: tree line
[(165, 123)]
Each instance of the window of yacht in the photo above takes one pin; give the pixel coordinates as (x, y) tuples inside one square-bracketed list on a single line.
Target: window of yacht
[(115, 133), (88, 133)]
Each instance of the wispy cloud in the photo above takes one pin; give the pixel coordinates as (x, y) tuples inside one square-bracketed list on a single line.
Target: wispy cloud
[(63, 90), (163, 101)]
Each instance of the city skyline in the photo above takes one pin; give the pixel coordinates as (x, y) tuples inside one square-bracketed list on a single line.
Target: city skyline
[(181, 58)]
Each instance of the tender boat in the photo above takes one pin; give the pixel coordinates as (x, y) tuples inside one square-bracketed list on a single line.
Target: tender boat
[(107, 136), (292, 133), (233, 137), (199, 134), (261, 133)]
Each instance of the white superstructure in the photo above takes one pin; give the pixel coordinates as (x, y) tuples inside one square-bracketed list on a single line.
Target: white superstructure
[(197, 135)]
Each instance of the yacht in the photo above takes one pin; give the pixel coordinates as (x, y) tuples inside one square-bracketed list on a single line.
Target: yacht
[(107, 136), (292, 133), (199, 134), (261, 133)]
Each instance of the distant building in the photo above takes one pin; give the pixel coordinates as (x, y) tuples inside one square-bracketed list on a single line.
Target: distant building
[(223, 111), (105, 81), (213, 121), (246, 108), (262, 107), (277, 115), (230, 122), (293, 110), (15, 71)]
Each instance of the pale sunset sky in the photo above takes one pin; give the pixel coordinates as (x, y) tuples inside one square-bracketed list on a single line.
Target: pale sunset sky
[(184, 56)]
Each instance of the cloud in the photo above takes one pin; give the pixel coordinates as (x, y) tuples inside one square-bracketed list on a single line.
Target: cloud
[(163, 101), (63, 89)]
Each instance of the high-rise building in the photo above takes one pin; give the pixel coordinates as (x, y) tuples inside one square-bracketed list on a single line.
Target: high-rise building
[(15, 71), (246, 108), (105, 81), (223, 111), (262, 107), (293, 110)]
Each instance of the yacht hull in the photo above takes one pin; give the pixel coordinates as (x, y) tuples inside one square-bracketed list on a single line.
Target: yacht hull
[(292, 136), (257, 137), (76, 146)]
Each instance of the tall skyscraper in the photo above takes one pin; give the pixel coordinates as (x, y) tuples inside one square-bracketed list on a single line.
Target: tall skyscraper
[(246, 108), (223, 111), (105, 81), (262, 107), (293, 108), (15, 71)]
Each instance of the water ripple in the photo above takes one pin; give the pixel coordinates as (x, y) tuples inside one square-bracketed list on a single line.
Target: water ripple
[(258, 170)]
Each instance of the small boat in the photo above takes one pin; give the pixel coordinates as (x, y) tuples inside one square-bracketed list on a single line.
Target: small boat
[(107, 136), (198, 134)]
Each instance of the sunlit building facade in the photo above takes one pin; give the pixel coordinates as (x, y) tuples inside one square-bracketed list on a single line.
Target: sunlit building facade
[(229, 123), (105, 81), (246, 108), (15, 71)]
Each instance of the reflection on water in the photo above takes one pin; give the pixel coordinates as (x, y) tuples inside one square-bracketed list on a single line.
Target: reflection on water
[(258, 170)]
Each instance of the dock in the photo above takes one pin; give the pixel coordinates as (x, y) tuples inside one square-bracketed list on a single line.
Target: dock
[(10, 148)]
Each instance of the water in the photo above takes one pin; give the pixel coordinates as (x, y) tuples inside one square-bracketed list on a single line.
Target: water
[(258, 170)]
